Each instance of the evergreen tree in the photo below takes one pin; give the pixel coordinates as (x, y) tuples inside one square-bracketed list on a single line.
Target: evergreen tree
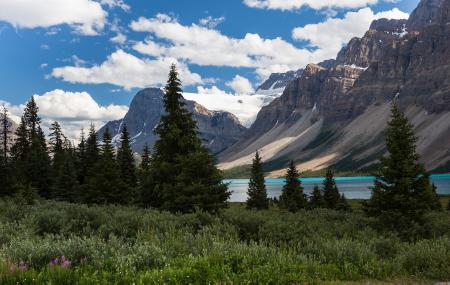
[(19, 153), (331, 194), (145, 181), (343, 204), (104, 184), (92, 150), (30, 157), (125, 160), (403, 190), (80, 161), (66, 183), (39, 164), (257, 193), (316, 200), (145, 159), (183, 176), (57, 148), (5, 173), (292, 197)]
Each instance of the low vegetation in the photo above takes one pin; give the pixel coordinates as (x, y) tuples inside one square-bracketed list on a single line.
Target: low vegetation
[(61, 243)]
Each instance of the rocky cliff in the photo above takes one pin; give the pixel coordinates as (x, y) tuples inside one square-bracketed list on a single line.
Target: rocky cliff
[(218, 130), (335, 115)]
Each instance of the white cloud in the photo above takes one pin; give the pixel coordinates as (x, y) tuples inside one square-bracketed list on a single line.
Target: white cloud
[(116, 3), (119, 39), (314, 4), (331, 35), (211, 22), (245, 107), (214, 90), (74, 110), (203, 46), (86, 16), (128, 71), (241, 85)]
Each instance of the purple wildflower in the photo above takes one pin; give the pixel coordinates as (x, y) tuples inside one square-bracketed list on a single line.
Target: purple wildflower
[(23, 266)]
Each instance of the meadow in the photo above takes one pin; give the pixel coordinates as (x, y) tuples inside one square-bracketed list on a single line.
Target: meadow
[(60, 243)]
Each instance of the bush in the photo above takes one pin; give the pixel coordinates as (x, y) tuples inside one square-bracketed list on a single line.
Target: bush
[(124, 245)]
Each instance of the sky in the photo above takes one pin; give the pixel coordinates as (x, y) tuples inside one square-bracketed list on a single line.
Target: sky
[(85, 59)]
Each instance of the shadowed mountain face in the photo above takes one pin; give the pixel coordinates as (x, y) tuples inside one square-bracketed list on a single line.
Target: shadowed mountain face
[(336, 114), (218, 130)]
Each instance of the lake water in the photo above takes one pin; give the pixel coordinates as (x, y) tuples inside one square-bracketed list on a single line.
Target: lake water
[(353, 187)]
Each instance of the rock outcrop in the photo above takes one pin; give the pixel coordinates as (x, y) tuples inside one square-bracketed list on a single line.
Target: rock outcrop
[(335, 115), (218, 130)]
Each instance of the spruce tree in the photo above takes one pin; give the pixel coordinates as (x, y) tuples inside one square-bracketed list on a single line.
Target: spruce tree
[(145, 159), (125, 160), (92, 150), (57, 148), (80, 159), (30, 157), (19, 154), (343, 204), (66, 183), (331, 194), (5, 171), (257, 193), (316, 200), (104, 185), (183, 176), (404, 192), (292, 197)]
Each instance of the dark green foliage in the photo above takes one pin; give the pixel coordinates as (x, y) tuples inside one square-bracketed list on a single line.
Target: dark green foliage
[(80, 161), (5, 166), (92, 150), (125, 160), (126, 245), (183, 176), (292, 197), (403, 193), (316, 200), (331, 194), (66, 183), (30, 158), (257, 193), (104, 184), (343, 204)]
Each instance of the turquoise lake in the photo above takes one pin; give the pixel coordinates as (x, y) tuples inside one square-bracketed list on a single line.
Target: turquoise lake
[(353, 187)]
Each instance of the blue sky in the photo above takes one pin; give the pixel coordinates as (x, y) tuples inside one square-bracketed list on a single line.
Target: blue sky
[(109, 49)]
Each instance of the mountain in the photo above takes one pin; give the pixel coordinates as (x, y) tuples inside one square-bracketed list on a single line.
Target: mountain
[(335, 115), (219, 130), (277, 82)]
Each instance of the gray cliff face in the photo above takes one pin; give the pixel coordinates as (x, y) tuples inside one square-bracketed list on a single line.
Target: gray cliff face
[(279, 80), (218, 130), (404, 59)]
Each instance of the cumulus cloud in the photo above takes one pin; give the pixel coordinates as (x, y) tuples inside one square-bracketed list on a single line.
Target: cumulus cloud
[(74, 110), (314, 4), (116, 3), (331, 35), (204, 46), (241, 85), (214, 90), (86, 16), (128, 71), (211, 22), (119, 39)]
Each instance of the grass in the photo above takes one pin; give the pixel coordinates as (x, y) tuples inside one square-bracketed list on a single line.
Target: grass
[(126, 245)]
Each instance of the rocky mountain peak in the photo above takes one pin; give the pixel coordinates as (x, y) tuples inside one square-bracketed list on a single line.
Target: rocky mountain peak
[(218, 130), (429, 12)]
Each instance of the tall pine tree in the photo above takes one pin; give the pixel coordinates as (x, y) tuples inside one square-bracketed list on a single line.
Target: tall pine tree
[(125, 160), (104, 185), (5, 167), (331, 194), (316, 200), (257, 193), (292, 197), (183, 176), (403, 192), (31, 161)]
